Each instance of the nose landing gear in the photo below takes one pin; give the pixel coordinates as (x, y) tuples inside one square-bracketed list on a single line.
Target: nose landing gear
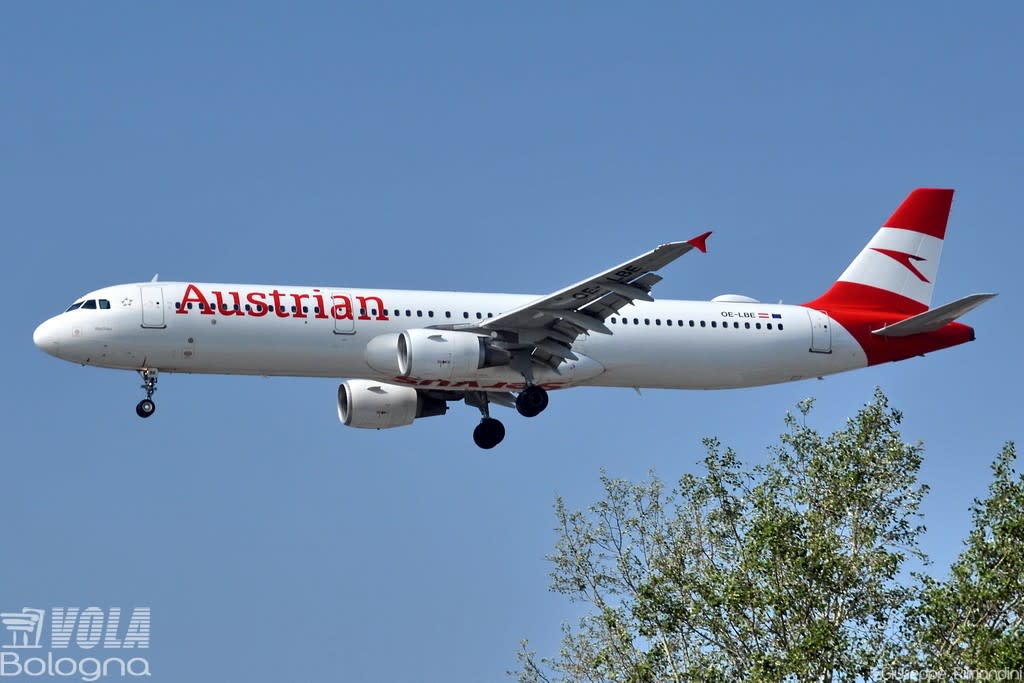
[(146, 407)]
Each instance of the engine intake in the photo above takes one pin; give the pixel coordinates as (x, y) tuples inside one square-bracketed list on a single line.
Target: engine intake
[(375, 405)]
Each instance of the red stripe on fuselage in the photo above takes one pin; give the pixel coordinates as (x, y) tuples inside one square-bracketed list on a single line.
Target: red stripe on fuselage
[(861, 323)]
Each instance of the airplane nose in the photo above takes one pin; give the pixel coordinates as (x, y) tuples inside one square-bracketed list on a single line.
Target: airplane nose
[(45, 337)]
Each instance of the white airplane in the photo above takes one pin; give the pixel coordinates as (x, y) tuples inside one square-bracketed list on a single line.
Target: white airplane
[(410, 353)]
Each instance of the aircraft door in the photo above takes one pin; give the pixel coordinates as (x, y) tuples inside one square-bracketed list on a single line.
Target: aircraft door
[(340, 302), (152, 298), (821, 332)]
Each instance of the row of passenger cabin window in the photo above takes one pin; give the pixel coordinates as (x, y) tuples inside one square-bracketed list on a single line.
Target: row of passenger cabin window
[(90, 304), (408, 313), (247, 307), (695, 323), (397, 313)]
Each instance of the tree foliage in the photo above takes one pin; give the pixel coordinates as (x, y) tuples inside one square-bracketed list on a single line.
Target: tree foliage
[(795, 569), (974, 621)]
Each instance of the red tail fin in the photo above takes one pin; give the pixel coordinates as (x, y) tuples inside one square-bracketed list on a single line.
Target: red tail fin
[(896, 271)]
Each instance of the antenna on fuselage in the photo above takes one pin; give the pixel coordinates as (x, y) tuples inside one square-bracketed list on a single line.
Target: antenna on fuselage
[(155, 277)]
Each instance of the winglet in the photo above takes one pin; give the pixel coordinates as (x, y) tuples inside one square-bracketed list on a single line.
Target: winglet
[(700, 241)]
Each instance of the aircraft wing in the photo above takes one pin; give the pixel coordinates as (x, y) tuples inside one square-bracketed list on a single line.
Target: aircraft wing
[(546, 327)]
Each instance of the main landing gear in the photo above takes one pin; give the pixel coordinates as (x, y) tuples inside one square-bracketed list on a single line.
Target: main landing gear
[(490, 432), (146, 407), (532, 401)]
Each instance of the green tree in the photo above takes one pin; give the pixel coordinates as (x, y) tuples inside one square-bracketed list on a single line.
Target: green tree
[(974, 620), (785, 571)]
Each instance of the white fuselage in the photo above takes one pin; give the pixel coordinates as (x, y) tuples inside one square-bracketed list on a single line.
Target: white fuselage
[(324, 332)]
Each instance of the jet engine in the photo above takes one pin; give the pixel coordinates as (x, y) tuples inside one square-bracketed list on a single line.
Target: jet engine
[(442, 354), (375, 405), (433, 354)]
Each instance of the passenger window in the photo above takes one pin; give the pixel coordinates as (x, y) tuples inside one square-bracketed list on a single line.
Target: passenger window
[(430, 314), (408, 313), (691, 323), (746, 325), (465, 314), (769, 325), (669, 323), (478, 315), (247, 307), (419, 314), (613, 321), (636, 321), (373, 312), (177, 304), (714, 323), (657, 321), (780, 326), (447, 314), (647, 321), (703, 324), (305, 309), (757, 325)]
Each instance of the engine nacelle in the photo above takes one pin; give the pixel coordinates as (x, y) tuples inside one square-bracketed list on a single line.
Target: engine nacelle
[(375, 405), (443, 354), (382, 354)]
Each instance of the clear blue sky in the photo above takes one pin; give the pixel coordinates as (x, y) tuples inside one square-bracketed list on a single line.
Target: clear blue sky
[(480, 146)]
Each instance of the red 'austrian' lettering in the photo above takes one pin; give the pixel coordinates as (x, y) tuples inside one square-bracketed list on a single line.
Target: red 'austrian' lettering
[(284, 304)]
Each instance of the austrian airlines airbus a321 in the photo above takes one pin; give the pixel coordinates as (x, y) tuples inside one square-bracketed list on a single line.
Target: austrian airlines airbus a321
[(411, 353)]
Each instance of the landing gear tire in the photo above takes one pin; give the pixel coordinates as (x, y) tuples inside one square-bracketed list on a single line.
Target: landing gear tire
[(531, 401), (145, 408), (488, 433)]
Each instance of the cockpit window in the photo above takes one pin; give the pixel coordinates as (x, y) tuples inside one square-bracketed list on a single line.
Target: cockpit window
[(75, 305), (91, 303), (104, 304)]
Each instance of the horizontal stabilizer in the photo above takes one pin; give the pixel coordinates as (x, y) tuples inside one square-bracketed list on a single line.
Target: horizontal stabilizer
[(935, 319)]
